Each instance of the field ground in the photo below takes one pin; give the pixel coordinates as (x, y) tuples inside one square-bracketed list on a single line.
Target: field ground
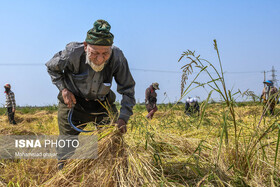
[(172, 149)]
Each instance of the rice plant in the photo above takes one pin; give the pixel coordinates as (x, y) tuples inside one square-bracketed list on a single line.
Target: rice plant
[(229, 144)]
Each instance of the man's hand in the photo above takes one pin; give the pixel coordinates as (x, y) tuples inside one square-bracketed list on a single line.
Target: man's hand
[(13, 110), (68, 97), (121, 125)]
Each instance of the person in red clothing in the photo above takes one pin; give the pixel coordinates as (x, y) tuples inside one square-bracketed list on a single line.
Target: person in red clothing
[(151, 99)]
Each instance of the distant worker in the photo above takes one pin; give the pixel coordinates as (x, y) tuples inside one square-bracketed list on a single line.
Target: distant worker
[(191, 106), (151, 99), (269, 96), (10, 103)]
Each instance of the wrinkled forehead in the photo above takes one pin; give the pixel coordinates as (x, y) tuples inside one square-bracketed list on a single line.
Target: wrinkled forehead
[(98, 48)]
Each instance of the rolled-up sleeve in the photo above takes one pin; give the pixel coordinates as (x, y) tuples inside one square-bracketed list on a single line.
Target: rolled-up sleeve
[(125, 87)]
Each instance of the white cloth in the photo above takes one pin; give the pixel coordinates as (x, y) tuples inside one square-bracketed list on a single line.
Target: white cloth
[(192, 100)]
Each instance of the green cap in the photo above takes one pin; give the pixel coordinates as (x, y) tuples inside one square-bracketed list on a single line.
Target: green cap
[(100, 34)]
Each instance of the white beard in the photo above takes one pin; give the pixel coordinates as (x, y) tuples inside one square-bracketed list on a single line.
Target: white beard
[(95, 67)]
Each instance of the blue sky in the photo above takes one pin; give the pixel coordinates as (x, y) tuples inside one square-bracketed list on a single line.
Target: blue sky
[(152, 35)]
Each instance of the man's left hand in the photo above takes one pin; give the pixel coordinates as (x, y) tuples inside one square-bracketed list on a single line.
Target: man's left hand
[(121, 125), (13, 110)]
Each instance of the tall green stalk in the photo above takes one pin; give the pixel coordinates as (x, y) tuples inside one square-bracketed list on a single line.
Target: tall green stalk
[(222, 91)]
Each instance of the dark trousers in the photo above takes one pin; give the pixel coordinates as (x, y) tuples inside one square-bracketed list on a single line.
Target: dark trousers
[(11, 115), (151, 108), (191, 109), (270, 105), (84, 112)]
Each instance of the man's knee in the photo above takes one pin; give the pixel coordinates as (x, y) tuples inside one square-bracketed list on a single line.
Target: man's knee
[(155, 109)]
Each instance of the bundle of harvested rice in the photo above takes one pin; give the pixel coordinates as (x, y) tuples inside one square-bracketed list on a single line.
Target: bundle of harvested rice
[(116, 165)]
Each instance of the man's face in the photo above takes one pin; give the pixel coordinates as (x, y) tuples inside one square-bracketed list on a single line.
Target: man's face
[(7, 88), (97, 54), (267, 84)]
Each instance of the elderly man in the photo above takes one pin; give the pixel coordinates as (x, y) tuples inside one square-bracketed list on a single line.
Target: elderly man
[(269, 96), (83, 73), (151, 99), (10, 103)]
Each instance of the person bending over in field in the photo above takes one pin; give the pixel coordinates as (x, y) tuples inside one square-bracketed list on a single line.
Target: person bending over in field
[(191, 106), (151, 99), (270, 96), (83, 73)]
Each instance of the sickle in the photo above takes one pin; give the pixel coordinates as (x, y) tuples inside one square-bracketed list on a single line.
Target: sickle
[(71, 124)]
